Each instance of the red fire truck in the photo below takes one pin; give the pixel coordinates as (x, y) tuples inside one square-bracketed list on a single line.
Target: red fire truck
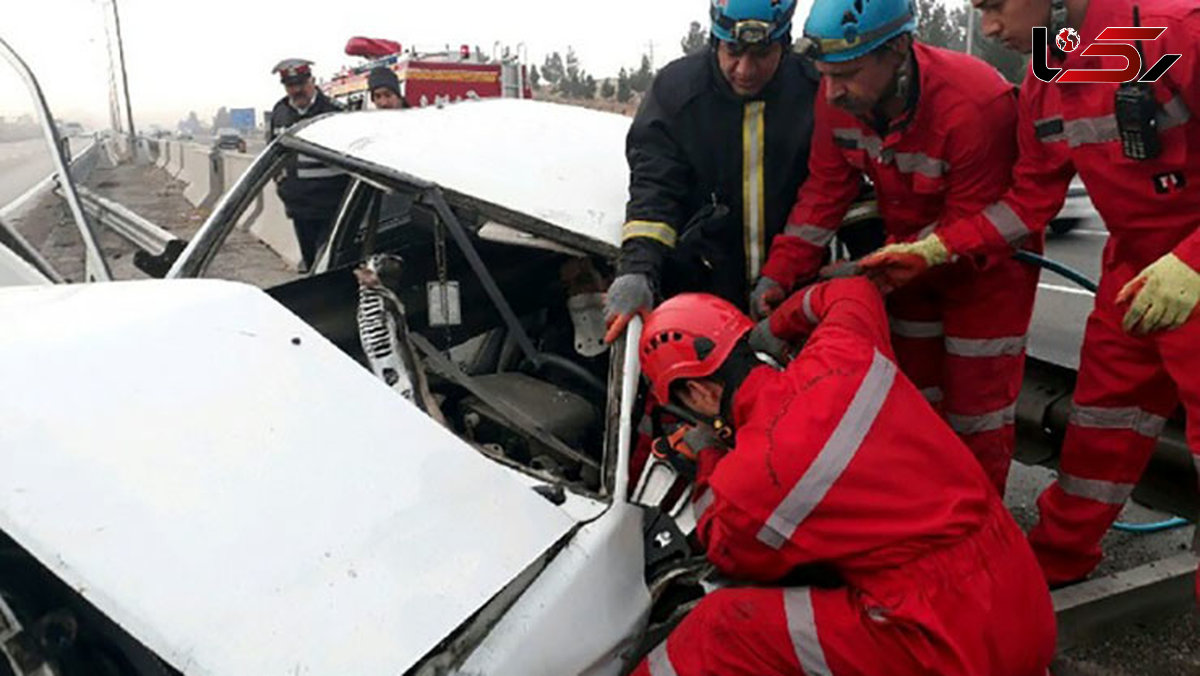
[(429, 78)]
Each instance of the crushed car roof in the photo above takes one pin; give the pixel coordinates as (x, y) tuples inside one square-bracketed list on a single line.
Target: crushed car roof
[(235, 492), (563, 165)]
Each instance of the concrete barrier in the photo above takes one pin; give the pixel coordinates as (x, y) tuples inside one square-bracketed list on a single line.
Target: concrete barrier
[(171, 165), (197, 173), (234, 165), (175, 166), (112, 152), (204, 173), (84, 163), (266, 218), (274, 228), (164, 154), (143, 152)]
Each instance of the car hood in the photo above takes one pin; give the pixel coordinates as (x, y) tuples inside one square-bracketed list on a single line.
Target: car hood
[(238, 494), (523, 163)]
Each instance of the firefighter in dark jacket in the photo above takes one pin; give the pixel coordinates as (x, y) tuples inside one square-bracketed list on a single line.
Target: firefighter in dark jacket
[(311, 191), (716, 153)]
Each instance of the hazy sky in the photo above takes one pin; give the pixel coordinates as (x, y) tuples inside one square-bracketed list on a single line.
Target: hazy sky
[(200, 55)]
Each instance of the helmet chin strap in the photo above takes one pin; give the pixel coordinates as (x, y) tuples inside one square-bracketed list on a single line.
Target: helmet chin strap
[(1058, 21), (899, 89), (732, 374)]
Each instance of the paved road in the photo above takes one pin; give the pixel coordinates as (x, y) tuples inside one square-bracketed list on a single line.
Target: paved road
[(254, 142), (1062, 307), (23, 164)]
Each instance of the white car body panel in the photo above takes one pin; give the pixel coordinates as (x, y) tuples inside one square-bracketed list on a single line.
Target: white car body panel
[(563, 165), (584, 610), (235, 492)]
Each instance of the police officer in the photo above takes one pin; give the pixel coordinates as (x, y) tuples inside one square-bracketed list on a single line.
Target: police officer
[(311, 192), (716, 154)]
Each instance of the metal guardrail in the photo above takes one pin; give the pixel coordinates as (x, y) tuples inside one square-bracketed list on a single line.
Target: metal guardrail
[(157, 248), (122, 220)]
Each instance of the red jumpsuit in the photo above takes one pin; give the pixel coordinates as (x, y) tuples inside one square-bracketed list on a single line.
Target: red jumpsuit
[(1127, 384), (959, 332), (840, 460)]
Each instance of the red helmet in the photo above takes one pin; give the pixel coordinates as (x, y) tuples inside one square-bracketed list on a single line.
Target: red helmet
[(689, 336)]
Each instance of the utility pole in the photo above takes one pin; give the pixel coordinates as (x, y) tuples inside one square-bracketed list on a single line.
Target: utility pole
[(114, 105), (970, 30), (125, 81)]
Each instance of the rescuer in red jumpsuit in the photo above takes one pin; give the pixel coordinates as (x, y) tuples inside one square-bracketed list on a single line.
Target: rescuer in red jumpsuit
[(935, 131), (837, 460), (1141, 348)]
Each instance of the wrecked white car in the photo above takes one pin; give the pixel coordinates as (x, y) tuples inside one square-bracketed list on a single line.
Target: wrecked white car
[(420, 468)]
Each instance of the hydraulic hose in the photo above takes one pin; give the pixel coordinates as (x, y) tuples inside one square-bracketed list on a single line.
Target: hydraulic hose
[(1083, 281), (1057, 268), (1156, 527)]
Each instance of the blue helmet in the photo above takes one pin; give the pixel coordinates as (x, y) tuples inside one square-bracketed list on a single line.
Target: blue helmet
[(842, 30), (752, 22)]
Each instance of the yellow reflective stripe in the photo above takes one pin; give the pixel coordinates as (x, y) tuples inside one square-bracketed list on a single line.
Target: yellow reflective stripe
[(655, 230), (761, 183), (753, 190)]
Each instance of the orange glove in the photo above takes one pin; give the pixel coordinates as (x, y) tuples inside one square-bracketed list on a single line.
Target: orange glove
[(895, 265)]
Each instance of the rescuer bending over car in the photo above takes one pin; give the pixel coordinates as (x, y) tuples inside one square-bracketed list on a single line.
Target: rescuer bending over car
[(838, 460)]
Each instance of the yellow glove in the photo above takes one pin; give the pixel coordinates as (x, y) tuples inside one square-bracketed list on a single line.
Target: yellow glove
[(1164, 295), (895, 265)]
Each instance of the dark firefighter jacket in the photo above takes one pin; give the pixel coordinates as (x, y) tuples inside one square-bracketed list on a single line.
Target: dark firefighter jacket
[(713, 175)]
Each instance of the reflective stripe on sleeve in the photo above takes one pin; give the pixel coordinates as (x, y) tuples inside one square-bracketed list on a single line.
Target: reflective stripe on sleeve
[(656, 230), (806, 306), (1006, 221), (813, 234)]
